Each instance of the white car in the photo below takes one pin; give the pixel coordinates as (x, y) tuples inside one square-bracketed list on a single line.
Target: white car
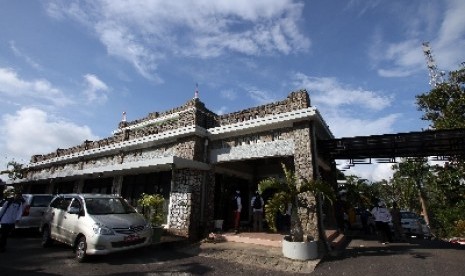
[(425, 229), (94, 224), (411, 224)]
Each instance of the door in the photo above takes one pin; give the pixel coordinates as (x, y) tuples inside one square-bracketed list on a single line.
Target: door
[(56, 216)]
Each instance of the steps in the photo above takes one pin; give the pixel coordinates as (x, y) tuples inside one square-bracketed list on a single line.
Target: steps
[(273, 240), (338, 241)]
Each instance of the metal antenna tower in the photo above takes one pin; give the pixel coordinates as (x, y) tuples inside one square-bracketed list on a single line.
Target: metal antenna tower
[(435, 77)]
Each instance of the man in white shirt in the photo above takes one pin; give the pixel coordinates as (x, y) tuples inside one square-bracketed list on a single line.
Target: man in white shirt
[(10, 213), (382, 218)]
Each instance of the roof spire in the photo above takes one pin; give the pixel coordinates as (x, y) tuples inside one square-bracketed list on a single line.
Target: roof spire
[(196, 93)]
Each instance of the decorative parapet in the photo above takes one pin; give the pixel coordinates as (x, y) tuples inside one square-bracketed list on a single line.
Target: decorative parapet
[(194, 104), (284, 119), (192, 114), (295, 101), (115, 148)]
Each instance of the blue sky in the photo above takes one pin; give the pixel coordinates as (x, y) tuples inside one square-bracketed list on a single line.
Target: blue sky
[(68, 69)]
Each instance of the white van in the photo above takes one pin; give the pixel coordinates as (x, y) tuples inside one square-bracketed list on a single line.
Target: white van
[(94, 224), (33, 208)]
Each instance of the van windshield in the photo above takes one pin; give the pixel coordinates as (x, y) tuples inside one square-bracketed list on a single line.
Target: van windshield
[(104, 206)]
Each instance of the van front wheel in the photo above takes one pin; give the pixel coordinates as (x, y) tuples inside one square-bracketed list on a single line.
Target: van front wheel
[(80, 250)]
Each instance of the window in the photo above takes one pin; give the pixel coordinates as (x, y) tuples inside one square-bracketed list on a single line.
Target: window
[(61, 203), (41, 201), (276, 136), (75, 204)]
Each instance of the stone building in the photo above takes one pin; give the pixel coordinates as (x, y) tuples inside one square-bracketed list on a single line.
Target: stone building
[(195, 158)]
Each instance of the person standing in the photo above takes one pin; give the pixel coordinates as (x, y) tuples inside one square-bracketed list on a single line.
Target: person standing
[(396, 222), (237, 208), (10, 213), (382, 218), (257, 211), (339, 211)]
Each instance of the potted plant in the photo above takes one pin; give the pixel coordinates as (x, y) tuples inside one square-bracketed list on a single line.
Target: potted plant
[(292, 192), (152, 209)]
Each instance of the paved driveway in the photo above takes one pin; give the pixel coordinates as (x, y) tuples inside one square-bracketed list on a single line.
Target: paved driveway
[(415, 257)]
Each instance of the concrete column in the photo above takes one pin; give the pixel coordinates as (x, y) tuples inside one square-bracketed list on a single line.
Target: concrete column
[(78, 186), (117, 185), (51, 187)]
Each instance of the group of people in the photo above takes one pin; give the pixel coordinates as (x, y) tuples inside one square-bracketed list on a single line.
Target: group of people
[(381, 214), (382, 217), (256, 203)]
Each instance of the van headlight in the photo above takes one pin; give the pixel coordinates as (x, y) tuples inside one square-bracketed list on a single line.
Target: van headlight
[(100, 229)]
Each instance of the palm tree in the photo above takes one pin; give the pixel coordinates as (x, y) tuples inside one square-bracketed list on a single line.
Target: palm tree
[(14, 170), (292, 191)]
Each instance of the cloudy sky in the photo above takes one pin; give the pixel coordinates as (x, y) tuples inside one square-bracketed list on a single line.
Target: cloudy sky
[(68, 69)]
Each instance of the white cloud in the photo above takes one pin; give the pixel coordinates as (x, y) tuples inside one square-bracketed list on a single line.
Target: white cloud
[(343, 125), (395, 72), (450, 42), (95, 89), (372, 172), (145, 32), (20, 54), (260, 96), (404, 57), (222, 110), (348, 111), (32, 131), (400, 59), (453, 26), (363, 6), (11, 85), (122, 43), (331, 93), (228, 94)]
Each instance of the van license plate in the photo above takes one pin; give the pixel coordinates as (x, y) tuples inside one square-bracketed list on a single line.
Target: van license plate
[(131, 238)]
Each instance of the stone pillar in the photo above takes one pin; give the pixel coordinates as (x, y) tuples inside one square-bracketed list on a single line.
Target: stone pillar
[(117, 185), (185, 202), (303, 163)]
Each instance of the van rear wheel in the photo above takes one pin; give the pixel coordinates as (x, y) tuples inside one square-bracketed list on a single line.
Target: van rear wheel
[(80, 250)]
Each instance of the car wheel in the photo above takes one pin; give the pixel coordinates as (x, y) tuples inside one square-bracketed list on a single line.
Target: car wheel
[(46, 237), (80, 249)]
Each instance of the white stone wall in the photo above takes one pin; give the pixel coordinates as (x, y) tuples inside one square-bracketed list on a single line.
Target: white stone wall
[(253, 150)]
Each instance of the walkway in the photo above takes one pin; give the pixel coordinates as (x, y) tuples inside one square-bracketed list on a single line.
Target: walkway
[(257, 249)]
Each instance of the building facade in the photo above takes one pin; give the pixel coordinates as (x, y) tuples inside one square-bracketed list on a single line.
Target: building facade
[(195, 158)]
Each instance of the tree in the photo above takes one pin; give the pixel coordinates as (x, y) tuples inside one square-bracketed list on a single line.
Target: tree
[(152, 205), (14, 170), (294, 192), (358, 192), (415, 171), (444, 107)]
